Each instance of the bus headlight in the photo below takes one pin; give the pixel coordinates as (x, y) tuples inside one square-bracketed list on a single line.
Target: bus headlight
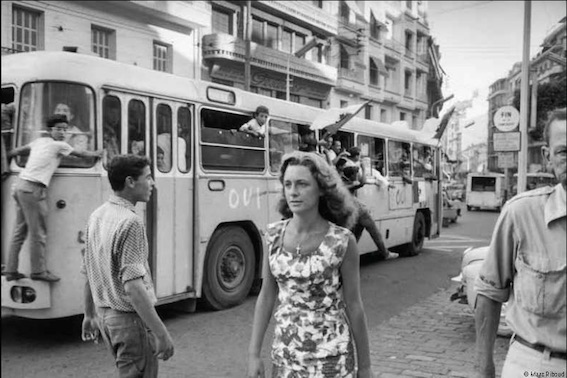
[(23, 294)]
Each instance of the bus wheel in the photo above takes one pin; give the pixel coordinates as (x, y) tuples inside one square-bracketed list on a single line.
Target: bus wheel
[(419, 228), (229, 268)]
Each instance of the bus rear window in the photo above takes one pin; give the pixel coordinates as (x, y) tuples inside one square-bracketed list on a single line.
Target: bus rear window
[(40, 100), (483, 184)]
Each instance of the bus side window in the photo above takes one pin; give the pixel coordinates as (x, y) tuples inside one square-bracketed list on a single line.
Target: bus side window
[(378, 158), (164, 140), (111, 130), (394, 158), (283, 137), (136, 128), (184, 139)]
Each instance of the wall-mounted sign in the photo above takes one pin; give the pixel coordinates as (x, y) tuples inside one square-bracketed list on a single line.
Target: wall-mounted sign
[(506, 118), (506, 141)]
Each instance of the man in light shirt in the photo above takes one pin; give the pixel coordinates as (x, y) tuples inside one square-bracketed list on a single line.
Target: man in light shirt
[(525, 266)]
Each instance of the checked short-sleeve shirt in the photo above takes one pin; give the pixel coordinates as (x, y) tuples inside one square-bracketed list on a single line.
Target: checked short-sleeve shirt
[(116, 252)]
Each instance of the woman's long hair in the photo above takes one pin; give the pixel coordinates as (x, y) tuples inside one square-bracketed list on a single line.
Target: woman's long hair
[(336, 203)]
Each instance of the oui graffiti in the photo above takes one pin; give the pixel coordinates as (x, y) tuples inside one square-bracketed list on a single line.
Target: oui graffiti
[(244, 197)]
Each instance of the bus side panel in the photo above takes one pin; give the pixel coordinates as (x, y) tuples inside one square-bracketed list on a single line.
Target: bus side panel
[(77, 197), (227, 201)]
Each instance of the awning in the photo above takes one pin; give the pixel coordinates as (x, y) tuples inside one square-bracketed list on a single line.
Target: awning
[(381, 67), (377, 10), (353, 7)]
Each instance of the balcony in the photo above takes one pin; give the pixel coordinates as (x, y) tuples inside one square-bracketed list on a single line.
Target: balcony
[(304, 13), (228, 47)]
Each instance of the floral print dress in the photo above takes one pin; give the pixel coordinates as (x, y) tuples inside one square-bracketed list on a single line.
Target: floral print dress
[(312, 336)]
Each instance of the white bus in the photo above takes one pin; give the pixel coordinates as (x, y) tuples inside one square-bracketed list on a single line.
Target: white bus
[(216, 188)]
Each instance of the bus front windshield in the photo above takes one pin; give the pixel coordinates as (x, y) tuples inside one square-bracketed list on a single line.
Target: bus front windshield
[(40, 100)]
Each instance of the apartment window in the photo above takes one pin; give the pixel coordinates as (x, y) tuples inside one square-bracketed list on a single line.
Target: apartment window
[(103, 42), (286, 41), (25, 29), (409, 5), (272, 36), (344, 104), (419, 83), (318, 4), (257, 31), (344, 58), (368, 112), (407, 83), (222, 21), (402, 116), (409, 42), (373, 72), (294, 98), (162, 57)]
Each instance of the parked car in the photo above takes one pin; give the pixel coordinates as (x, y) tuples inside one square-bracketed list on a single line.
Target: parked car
[(466, 294)]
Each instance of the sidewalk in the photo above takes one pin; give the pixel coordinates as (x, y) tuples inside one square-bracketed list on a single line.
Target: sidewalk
[(433, 338)]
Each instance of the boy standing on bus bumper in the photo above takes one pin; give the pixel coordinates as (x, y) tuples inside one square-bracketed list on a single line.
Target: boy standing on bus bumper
[(119, 293), (30, 192)]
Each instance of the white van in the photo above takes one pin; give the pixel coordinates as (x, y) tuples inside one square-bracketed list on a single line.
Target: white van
[(485, 191)]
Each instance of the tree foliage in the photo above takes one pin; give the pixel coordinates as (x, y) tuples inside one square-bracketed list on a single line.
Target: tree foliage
[(550, 96)]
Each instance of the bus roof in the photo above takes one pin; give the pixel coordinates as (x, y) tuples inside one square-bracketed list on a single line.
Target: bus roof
[(488, 174), (105, 73), (538, 174)]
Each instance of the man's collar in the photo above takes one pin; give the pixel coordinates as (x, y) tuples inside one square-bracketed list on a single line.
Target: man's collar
[(117, 200), (555, 205)]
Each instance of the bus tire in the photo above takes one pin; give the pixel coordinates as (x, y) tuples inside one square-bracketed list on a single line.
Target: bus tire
[(418, 237), (229, 268)]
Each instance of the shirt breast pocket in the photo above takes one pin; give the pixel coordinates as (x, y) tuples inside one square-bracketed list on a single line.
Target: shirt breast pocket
[(540, 292)]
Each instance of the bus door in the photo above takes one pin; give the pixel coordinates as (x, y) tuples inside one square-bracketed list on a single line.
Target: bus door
[(125, 119), (172, 197)]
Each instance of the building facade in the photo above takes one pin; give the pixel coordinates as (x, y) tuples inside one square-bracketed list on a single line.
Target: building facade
[(157, 35), (320, 53)]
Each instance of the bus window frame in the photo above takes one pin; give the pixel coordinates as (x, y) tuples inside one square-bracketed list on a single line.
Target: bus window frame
[(94, 114), (9, 143), (200, 126)]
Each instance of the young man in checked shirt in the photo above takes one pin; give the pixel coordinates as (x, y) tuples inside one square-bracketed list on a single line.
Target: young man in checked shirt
[(119, 293)]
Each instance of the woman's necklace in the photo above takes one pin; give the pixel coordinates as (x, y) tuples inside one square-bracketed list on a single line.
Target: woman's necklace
[(304, 239)]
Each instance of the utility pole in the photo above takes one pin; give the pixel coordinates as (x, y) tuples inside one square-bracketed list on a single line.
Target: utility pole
[(524, 101), (533, 111), (248, 37)]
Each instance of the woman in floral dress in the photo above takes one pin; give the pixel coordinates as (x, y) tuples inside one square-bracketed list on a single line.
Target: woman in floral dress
[(312, 267)]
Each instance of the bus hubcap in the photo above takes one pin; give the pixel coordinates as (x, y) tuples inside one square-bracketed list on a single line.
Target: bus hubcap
[(231, 268)]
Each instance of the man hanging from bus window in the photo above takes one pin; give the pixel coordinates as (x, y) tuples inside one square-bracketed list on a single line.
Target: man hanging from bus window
[(29, 192), (354, 177), (257, 125), (119, 293), (75, 136), (525, 266)]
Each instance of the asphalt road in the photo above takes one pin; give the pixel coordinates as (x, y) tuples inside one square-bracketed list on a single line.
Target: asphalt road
[(215, 344)]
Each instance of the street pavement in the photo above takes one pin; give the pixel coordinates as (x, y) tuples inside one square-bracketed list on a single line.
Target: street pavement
[(414, 328), (433, 338)]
